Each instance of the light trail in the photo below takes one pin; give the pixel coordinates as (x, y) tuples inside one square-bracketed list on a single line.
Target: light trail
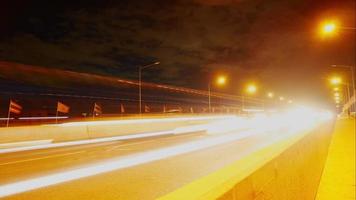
[(188, 129), (116, 164), (135, 121), (37, 118), (306, 120)]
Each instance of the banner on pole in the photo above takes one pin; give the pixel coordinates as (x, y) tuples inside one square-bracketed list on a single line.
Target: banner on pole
[(61, 107), (14, 107), (97, 109)]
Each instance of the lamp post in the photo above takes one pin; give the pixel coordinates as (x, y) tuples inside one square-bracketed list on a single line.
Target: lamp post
[(352, 70), (221, 80), (337, 81), (140, 83)]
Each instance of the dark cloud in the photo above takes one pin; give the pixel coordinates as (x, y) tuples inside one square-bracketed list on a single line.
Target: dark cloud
[(272, 42)]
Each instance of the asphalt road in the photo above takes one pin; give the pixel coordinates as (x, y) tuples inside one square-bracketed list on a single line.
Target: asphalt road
[(143, 180)]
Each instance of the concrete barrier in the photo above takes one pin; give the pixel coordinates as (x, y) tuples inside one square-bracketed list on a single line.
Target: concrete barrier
[(96, 129), (289, 169)]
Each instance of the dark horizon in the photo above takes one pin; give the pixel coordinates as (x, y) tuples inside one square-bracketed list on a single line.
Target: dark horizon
[(274, 44)]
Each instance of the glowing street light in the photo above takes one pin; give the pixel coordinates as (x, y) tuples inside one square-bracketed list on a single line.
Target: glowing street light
[(270, 95), (281, 98), (329, 27), (335, 80), (290, 101), (251, 89), (336, 89), (220, 80), (336, 94)]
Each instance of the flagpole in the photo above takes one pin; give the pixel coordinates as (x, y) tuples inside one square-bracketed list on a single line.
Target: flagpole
[(8, 115), (57, 116), (94, 111)]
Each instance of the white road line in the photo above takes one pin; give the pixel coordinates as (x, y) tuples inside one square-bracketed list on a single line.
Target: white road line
[(41, 158)]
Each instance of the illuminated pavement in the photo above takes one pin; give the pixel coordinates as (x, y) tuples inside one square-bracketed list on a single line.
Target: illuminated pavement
[(135, 169), (338, 179)]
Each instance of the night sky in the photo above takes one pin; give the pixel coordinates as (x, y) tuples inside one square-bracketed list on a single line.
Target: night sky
[(271, 42)]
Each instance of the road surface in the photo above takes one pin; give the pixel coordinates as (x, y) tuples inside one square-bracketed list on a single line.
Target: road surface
[(130, 169)]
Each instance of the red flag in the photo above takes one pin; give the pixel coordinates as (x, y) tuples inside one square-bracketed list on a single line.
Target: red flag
[(14, 107), (147, 109), (97, 109), (62, 107), (122, 109)]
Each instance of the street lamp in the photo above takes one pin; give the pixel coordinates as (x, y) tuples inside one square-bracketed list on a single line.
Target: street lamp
[(251, 89), (335, 80), (281, 98), (270, 95), (352, 71), (140, 83), (330, 27), (220, 80)]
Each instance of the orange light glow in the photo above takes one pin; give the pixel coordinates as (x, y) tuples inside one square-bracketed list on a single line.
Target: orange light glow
[(221, 80)]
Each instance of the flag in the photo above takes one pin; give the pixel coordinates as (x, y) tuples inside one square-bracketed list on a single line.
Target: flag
[(14, 107), (97, 109), (147, 109), (164, 108), (62, 107), (191, 110), (122, 109)]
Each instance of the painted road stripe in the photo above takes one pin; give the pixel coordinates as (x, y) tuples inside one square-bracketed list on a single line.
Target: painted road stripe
[(41, 158)]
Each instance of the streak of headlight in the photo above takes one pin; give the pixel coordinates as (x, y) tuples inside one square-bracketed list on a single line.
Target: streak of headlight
[(306, 119), (83, 142), (122, 137), (134, 121), (35, 118), (5, 118), (116, 164)]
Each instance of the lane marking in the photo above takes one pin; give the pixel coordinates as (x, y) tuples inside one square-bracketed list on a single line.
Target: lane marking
[(41, 158)]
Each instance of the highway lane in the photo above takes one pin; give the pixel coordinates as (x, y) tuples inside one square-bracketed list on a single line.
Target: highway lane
[(96, 171), (19, 165), (146, 181)]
